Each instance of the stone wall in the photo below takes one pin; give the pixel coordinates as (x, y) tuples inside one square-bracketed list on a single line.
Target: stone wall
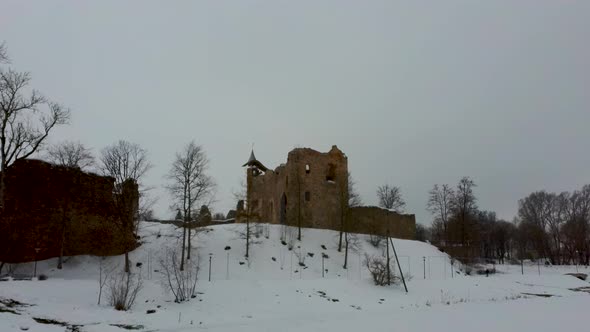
[(49, 205), (378, 221)]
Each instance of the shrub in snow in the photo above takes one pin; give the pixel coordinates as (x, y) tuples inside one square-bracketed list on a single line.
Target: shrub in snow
[(182, 283), (375, 240), (123, 290), (42, 277), (377, 266)]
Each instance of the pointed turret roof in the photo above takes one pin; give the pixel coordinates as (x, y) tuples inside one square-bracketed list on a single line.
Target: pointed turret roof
[(253, 162)]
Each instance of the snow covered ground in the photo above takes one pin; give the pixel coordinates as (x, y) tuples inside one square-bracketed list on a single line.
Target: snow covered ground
[(271, 291)]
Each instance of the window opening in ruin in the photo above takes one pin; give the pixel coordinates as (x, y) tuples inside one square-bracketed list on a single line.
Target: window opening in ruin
[(331, 175), (286, 181), (307, 196), (307, 170)]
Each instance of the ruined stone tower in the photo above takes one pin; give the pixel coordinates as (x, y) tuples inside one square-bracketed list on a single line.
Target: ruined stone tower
[(311, 189)]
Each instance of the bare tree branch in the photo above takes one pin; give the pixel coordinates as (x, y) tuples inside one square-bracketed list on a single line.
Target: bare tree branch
[(26, 119), (127, 163), (390, 197), (3, 54), (71, 154)]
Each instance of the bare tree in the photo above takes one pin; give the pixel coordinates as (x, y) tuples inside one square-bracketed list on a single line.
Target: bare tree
[(556, 226), (127, 163), (71, 154), (124, 160), (123, 290), (390, 197), (464, 205), (189, 185), (26, 119), (380, 270), (439, 205)]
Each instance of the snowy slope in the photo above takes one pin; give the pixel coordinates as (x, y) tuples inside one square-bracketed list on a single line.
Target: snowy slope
[(278, 294), (156, 238)]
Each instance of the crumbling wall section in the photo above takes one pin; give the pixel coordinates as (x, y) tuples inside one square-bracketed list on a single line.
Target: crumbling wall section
[(378, 221), (50, 207)]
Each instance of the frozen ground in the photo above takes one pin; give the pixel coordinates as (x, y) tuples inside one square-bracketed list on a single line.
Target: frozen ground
[(271, 292)]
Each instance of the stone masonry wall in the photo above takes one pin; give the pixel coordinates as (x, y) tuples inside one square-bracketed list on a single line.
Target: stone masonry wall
[(315, 187), (47, 205), (378, 221), (310, 182)]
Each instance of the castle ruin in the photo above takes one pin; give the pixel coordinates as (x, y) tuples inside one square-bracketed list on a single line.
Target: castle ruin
[(311, 190)]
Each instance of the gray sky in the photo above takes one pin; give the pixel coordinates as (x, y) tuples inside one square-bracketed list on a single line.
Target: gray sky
[(414, 92)]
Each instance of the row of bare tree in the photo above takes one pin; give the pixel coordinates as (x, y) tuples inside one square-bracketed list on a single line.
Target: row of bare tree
[(550, 226), (556, 226)]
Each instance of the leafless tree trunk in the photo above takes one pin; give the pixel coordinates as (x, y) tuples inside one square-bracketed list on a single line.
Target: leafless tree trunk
[(349, 197), (345, 251), (189, 184), (244, 196), (388, 260), (183, 245), (298, 206)]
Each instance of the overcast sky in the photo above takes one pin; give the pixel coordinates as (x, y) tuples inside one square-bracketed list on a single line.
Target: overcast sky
[(414, 92)]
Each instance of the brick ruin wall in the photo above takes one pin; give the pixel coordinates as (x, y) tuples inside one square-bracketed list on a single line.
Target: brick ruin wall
[(47, 205), (315, 186)]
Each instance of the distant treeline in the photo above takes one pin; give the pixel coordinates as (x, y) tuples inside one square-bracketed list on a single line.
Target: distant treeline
[(550, 226)]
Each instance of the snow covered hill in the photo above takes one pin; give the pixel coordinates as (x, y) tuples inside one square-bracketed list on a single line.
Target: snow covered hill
[(273, 291), (269, 258)]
